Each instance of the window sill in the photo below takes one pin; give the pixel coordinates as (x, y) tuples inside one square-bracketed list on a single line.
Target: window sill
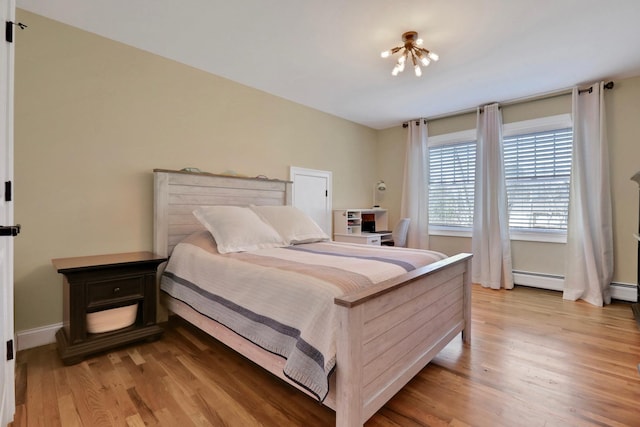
[(539, 236), (450, 231), (525, 236)]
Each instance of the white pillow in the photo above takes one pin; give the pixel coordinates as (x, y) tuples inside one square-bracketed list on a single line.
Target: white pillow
[(237, 229), (293, 225)]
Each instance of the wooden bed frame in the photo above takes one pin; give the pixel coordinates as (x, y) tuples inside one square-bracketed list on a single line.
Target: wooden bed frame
[(386, 333)]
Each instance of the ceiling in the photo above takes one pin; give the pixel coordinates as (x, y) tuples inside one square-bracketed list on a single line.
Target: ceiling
[(326, 54)]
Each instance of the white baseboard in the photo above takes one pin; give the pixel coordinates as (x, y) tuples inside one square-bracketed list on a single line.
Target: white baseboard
[(619, 291), (36, 337)]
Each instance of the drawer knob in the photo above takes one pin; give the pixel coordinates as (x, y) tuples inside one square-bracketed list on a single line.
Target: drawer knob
[(116, 290)]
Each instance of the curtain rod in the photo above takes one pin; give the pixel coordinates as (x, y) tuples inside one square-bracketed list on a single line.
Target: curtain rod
[(546, 95), (607, 85), (406, 124)]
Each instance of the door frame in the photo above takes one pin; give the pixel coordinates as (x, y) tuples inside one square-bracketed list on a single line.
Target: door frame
[(328, 175), (7, 58)]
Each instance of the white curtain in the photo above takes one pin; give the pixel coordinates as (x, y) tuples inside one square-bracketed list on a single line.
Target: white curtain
[(589, 256), (415, 193), (491, 245)]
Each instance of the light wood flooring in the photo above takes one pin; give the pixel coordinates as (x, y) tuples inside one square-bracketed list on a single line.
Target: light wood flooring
[(534, 360)]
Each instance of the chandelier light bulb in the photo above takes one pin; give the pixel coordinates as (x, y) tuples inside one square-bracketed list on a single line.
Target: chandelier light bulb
[(410, 48)]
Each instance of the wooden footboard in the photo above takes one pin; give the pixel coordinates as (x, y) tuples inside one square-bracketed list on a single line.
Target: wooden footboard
[(388, 333)]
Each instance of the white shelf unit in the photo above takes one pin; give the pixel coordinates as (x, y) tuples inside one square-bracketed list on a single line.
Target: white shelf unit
[(354, 222), (360, 225)]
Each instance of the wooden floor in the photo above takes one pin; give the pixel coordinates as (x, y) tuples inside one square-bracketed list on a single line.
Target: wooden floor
[(534, 360)]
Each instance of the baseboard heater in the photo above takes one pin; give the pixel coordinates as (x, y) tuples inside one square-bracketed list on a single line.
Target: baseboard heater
[(619, 291)]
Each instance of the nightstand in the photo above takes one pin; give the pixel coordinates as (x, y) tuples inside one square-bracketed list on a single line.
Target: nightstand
[(94, 284)]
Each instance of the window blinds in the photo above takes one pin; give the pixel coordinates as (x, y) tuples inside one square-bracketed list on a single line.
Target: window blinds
[(451, 184), (537, 172)]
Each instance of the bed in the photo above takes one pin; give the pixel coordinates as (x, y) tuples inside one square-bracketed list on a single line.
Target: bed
[(386, 332)]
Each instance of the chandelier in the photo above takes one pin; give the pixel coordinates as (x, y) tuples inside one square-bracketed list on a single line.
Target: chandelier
[(411, 49)]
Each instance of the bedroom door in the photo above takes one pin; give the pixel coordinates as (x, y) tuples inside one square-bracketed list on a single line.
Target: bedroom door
[(312, 194), (7, 364)]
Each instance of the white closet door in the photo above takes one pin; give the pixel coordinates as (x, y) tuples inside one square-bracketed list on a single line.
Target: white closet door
[(312, 194)]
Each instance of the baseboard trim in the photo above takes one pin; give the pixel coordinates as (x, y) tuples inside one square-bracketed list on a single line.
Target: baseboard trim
[(619, 291), (37, 337)]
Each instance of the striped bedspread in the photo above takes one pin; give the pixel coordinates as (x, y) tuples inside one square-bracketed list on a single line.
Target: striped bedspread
[(282, 298)]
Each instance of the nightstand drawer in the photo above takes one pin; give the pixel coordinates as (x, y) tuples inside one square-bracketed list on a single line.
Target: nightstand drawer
[(373, 240), (360, 238), (114, 290)]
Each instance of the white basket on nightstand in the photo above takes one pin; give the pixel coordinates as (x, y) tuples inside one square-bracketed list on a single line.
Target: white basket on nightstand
[(112, 319)]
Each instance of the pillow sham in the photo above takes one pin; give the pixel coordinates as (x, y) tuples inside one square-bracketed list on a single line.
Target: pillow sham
[(291, 223), (237, 229)]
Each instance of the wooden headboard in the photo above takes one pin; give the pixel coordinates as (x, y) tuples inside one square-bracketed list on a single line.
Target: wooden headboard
[(178, 193)]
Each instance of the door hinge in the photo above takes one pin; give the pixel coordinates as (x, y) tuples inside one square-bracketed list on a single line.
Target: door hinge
[(326, 193), (7, 191), (10, 230), (10, 350), (8, 30)]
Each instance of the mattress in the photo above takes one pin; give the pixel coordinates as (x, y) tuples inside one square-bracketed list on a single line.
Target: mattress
[(282, 299)]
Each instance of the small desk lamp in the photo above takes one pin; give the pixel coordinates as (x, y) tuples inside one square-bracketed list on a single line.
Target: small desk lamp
[(380, 186)]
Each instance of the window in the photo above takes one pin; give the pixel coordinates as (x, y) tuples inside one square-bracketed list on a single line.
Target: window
[(537, 161), (537, 174), (451, 184)]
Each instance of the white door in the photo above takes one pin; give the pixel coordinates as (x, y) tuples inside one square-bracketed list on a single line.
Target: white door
[(7, 396), (312, 194)]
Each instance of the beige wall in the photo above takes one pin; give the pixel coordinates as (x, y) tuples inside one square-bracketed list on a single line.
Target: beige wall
[(623, 118), (623, 130), (390, 163), (94, 117)]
